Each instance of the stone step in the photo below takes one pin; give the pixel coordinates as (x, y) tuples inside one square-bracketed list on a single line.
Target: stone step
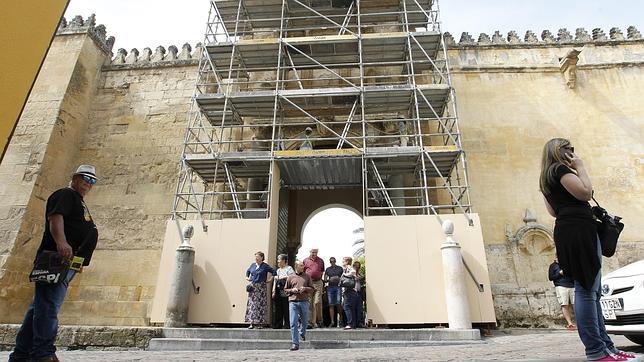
[(201, 344), (195, 339), (367, 334)]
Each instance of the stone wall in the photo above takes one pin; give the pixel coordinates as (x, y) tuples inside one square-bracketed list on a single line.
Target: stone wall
[(138, 121), (128, 117), (88, 337)]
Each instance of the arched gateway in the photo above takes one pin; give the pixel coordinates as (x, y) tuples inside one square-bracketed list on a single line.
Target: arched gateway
[(303, 104)]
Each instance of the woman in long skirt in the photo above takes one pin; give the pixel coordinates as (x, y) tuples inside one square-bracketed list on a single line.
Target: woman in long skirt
[(257, 306)]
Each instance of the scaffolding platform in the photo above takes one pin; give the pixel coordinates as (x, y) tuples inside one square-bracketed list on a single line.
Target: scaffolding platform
[(258, 15), (320, 169), (241, 164), (331, 51), (322, 101), (405, 160)]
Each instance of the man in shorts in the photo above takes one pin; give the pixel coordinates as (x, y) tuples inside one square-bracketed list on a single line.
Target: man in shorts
[(565, 290), (332, 276)]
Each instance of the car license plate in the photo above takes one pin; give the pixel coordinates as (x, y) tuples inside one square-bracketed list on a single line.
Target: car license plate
[(609, 306), (609, 314)]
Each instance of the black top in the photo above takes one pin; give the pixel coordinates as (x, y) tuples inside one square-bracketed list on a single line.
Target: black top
[(575, 233), (560, 198), (80, 229), (334, 273), (558, 279)]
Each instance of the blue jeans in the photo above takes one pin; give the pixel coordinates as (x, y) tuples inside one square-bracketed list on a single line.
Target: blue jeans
[(333, 294), (298, 312), (351, 299), (590, 321), (359, 311), (37, 334)]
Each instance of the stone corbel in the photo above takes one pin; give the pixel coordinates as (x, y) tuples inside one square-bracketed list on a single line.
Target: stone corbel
[(524, 238), (568, 67)]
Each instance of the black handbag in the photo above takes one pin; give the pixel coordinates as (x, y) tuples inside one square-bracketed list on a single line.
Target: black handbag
[(608, 229), (49, 268), (347, 282)]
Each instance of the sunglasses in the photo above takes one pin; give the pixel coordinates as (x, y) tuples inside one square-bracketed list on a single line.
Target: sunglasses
[(89, 180)]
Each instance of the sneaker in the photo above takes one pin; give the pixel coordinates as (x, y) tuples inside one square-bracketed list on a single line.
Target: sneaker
[(302, 337), (626, 354), (251, 326), (294, 347), (612, 357), (347, 328)]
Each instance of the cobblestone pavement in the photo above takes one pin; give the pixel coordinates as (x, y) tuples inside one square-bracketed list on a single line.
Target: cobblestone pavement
[(526, 345)]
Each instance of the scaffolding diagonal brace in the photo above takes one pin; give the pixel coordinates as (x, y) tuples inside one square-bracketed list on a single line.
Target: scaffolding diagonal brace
[(383, 188), (318, 121), (449, 189), (233, 190), (345, 131)]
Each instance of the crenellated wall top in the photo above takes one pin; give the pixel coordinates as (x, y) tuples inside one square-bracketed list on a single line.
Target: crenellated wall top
[(78, 25), (158, 58), (172, 56), (546, 38)]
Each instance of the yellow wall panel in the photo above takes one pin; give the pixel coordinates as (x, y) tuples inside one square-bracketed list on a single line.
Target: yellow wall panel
[(26, 29)]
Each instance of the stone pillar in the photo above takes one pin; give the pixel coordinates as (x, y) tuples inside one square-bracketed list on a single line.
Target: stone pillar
[(458, 309), (397, 196), (181, 283)]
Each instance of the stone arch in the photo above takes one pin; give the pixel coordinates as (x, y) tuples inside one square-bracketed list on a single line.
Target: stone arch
[(323, 243), (304, 204), (326, 207)]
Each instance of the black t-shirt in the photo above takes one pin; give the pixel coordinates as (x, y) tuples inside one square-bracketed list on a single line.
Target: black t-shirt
[(560, 198), (80, 229), (334, 273)]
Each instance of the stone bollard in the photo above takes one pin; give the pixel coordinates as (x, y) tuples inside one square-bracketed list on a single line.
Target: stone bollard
[(458, 308), (176, 315)]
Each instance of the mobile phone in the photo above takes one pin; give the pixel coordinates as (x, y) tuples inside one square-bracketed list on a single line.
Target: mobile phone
[(565, 155)]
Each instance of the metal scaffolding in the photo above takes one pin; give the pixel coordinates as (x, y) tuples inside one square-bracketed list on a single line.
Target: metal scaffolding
[(337, 94)]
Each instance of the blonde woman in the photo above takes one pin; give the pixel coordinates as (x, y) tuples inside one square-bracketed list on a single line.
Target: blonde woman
[(566, 187), (280, 299)]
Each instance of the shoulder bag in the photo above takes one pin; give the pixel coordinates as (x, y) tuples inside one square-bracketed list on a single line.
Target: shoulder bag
[(608, 229), (49, 268)]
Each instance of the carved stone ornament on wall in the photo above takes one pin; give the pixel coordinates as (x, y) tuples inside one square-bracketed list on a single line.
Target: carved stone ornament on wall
[(532, 238), (568, 67)]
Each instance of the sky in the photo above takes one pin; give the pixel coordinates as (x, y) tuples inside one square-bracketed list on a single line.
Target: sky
[(331, 231), (150, 23)]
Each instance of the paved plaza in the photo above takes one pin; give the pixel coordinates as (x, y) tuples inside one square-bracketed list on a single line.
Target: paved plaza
[(516, 345)]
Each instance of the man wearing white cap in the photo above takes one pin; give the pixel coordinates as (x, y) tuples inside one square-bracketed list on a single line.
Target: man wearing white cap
[(69, 231)]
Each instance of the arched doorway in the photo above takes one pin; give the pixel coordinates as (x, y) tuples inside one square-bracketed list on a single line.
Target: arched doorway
[(331, 229), (335, 230)]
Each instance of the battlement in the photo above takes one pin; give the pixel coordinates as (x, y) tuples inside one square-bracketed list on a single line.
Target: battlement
[(563, 36), (78, 25), (160, 57)]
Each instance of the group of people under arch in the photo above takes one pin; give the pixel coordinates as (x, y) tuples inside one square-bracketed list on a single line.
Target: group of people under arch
[(341, 288)]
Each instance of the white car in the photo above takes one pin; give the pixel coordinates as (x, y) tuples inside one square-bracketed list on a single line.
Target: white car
[(623, 301)]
